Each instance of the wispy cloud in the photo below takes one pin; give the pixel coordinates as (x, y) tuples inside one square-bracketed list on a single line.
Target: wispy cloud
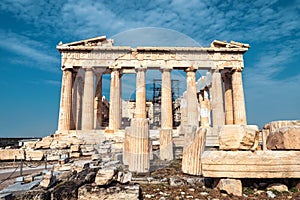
[(34, 53)]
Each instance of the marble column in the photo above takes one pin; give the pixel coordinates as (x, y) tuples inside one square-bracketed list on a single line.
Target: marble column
[(183, 110), (204, 108), (217, 103), (166, 100), (65, 110), (78, 85), (239, 109), (98, 98), (88, 100), (166, 131), (137, 139), (192, 102), (115, 103), (228, 99), (140, 107)]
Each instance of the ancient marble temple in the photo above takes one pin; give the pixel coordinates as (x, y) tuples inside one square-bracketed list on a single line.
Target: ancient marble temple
[(219, 94)]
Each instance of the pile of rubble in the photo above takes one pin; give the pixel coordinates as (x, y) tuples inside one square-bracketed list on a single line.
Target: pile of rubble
[(60, 145), (246, 152), (95, 179)]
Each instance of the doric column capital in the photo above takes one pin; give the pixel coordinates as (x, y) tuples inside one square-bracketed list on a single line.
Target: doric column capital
[(237, 69), (190, 69), (140, 69), (88, 68), (165, 70)]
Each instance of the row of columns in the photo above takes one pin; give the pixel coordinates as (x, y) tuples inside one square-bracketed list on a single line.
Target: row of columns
[(90, 116), (231, 109), (232, 113), (88, 120)]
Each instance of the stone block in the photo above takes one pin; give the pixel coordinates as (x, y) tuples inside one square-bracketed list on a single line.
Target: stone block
[(104, 176), (87, 153), (238, 137), (278, 187), (53, 157), (60, 144), (48, 180), (284, 138), (124, 177), (75, 141), (30, 145), (248, 164), (231, 186), (273, 126), (34, 155), (75, 154), (44, 143), (12, 154), (75, 148)]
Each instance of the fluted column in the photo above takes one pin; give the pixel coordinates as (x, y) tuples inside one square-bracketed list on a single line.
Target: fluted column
[(140, 108), (228, 99), (183, 110), (239, 109), (65, 110), (192, 102), (166, 100), (136, 145), (204, 108), (166, 131), (88, 100), (115, 104), (98, 98), (77, 98), (217, 103)]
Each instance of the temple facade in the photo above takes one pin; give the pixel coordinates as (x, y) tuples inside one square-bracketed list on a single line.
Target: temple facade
[(220, 94)]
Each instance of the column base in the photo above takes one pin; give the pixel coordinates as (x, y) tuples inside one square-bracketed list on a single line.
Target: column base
[(166, 144), (137, 146), (126, 147), (192, 151)]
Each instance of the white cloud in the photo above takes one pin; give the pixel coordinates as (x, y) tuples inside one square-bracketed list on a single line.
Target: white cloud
[(33, 53)]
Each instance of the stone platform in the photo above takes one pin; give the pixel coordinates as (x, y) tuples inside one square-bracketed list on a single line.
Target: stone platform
[(247, 164)]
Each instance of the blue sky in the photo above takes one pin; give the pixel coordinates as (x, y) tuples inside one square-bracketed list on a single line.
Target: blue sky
[(30, 64)]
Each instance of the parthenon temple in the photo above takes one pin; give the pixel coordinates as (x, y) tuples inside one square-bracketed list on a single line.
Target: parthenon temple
[(212, 110), (98, 56)]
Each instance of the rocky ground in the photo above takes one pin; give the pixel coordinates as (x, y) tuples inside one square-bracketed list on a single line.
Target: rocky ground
[(182, 186), (110, 180)]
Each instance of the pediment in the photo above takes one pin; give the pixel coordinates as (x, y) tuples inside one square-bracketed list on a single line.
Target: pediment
[(97, 41), (231, 44)]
